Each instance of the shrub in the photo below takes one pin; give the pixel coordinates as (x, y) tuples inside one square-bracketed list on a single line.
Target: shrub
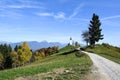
[(82, 49), (106, 45)]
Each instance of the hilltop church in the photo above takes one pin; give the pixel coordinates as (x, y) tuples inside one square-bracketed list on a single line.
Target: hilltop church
[(71, 42)]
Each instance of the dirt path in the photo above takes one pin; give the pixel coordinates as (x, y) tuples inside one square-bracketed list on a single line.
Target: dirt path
[(105, 69)]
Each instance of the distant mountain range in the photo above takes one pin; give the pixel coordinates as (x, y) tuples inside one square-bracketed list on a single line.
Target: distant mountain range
[(34, 45)]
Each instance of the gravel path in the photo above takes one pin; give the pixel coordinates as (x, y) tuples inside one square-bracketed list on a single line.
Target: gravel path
[(109, 69)]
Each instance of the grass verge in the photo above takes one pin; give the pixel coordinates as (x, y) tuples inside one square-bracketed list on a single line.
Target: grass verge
[(107, 51)]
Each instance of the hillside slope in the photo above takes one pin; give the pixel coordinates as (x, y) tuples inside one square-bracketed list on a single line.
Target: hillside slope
[(74, 66), (107, 51)]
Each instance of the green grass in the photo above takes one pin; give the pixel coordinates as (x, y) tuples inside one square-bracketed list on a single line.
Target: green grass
[(48, 64), (66, 49), (107, 51)]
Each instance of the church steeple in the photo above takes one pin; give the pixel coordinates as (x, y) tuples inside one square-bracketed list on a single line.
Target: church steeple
[(71, 42)]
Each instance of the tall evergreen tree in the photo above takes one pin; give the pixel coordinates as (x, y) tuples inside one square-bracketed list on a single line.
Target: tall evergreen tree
[(10, 48), (8, 62), (16, 48), (95, 30)]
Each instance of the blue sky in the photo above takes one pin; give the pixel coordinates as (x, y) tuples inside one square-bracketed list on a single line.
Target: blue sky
[(57, 20)]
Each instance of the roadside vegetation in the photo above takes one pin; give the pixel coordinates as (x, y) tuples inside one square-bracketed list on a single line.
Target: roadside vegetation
[(74, 66), (107, 51)]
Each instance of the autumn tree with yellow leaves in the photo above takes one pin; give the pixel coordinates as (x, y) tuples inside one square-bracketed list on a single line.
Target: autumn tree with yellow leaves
[(24, 53)]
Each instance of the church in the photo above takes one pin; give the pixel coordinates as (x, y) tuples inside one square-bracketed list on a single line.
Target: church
[(71, 41)]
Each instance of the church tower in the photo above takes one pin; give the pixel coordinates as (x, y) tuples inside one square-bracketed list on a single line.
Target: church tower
[(71, 42)]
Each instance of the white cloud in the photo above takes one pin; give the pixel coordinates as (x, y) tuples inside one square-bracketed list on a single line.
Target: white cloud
[(46, 14), (59, 15), (13, 8), (111, 21), (62, 15), (20, 4), (76, 11), (10, 14), (111, 17)]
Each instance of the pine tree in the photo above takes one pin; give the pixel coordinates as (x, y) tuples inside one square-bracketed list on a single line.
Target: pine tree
[(16, 48), (95, 30), (8, 62)]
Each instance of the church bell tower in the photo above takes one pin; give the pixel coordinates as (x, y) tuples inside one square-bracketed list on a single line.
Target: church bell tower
[(71, 42)]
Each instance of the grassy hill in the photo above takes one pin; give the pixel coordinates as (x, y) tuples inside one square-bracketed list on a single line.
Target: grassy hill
[(73, 66), (107, 51)]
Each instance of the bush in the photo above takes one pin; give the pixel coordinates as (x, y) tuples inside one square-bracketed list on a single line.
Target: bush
[(82, 49), (106, 45)]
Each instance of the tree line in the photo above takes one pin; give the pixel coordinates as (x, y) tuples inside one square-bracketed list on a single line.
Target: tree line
[(22, 55)]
